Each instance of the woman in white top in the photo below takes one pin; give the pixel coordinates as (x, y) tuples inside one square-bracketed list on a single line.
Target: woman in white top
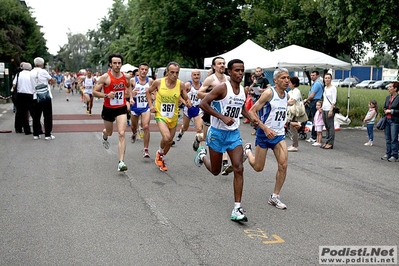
[(295, 94), (329, 100)]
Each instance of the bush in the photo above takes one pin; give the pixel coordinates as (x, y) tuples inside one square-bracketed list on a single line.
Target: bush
[(359, 99)]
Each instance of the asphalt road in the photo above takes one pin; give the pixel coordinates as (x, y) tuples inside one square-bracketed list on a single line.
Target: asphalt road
[(63, 202)]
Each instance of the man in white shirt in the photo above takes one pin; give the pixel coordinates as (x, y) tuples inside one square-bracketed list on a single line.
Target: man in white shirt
[(38, 75), (24, 103)]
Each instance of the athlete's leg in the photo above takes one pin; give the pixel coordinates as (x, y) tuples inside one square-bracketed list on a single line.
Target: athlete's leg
[(135, 122), (213, 162), (236, 158), (258, 161), (281, 153), (145, 125), (121, 126)]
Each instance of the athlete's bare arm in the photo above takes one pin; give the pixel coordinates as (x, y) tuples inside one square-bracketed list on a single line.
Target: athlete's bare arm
[(205, 85), (265, 97), (184, 96), (152, 89), (103, 81), (217, 93)]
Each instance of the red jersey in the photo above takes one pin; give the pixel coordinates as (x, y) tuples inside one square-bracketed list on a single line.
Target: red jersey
[(117, 85)]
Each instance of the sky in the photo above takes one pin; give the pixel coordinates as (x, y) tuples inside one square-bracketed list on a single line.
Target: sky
[(58, 17)]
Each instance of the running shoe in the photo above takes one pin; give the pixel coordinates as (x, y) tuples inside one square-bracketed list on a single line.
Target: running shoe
[(51, 137), (105, 142), (276, 202), (163, 166), (196, 143), (393, 159), (178, 138), (158, 159), (311, 140), (36, 137), (145, 153), (227, 169), (133, 138), (198, 158), (122, 166), (247, 147), (385, 157), (90, 112), (238, 215)]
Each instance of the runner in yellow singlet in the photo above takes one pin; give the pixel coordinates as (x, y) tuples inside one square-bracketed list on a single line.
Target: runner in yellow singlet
[(168, 91)]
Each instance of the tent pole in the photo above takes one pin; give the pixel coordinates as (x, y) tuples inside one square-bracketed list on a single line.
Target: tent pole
[(349, 96)]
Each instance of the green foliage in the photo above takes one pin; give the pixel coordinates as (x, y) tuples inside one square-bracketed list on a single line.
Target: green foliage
[(72, 56), (280, 23), (361, 21), (20, 36)]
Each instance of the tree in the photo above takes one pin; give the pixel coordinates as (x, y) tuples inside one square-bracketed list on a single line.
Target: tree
[(75, 52), (186, 30), (280, 23), (385, 60), (20, 36), (360, 22)]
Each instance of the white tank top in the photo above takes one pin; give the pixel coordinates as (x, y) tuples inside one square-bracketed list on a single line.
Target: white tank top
[(89, 83), (140, 100), (192, 95), (68, 80), (274, 113), (230, 106)]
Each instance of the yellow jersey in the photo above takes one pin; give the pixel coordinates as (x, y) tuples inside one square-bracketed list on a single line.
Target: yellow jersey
[(167, 101)]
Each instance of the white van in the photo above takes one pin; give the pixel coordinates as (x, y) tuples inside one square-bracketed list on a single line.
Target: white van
[(184, 74)]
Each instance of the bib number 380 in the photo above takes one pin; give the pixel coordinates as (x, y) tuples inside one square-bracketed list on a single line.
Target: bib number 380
[(167, 110), (232, 112)]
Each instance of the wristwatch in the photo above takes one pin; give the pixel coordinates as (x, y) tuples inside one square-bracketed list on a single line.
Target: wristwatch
[(105, 95)]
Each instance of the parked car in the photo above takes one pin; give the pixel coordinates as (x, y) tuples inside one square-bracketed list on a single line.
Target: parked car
[(379, 84), (336, 82), (350, 82), (365, 83)]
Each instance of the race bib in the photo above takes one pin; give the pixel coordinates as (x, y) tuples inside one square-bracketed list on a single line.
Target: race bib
[(118, 99), (167, 110), (141, 101), (279, 120)]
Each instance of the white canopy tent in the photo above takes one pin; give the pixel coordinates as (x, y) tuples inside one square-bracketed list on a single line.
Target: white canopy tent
[(127, 67), (295, 57), (249, 52)]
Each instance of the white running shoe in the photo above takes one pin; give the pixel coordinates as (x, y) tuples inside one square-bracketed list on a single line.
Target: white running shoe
[(197, 159), (317, 144), (370, 143), (247, 147), (310, 140), (276, 202), (105, 141), (122, 167), (51, 137), (36, 137), (238, 215)]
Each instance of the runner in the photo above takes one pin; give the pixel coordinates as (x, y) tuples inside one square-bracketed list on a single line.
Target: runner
[(88, 84), (168, 91), (272, 109), (140, 85), (224, 104), (218, 77), (194, 112), (67, 80), (115, 87)]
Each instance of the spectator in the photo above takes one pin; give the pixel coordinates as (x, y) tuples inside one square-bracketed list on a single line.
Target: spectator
[(315, 94), (38, 75), (391, 110), (24, 103), (330, 98)]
